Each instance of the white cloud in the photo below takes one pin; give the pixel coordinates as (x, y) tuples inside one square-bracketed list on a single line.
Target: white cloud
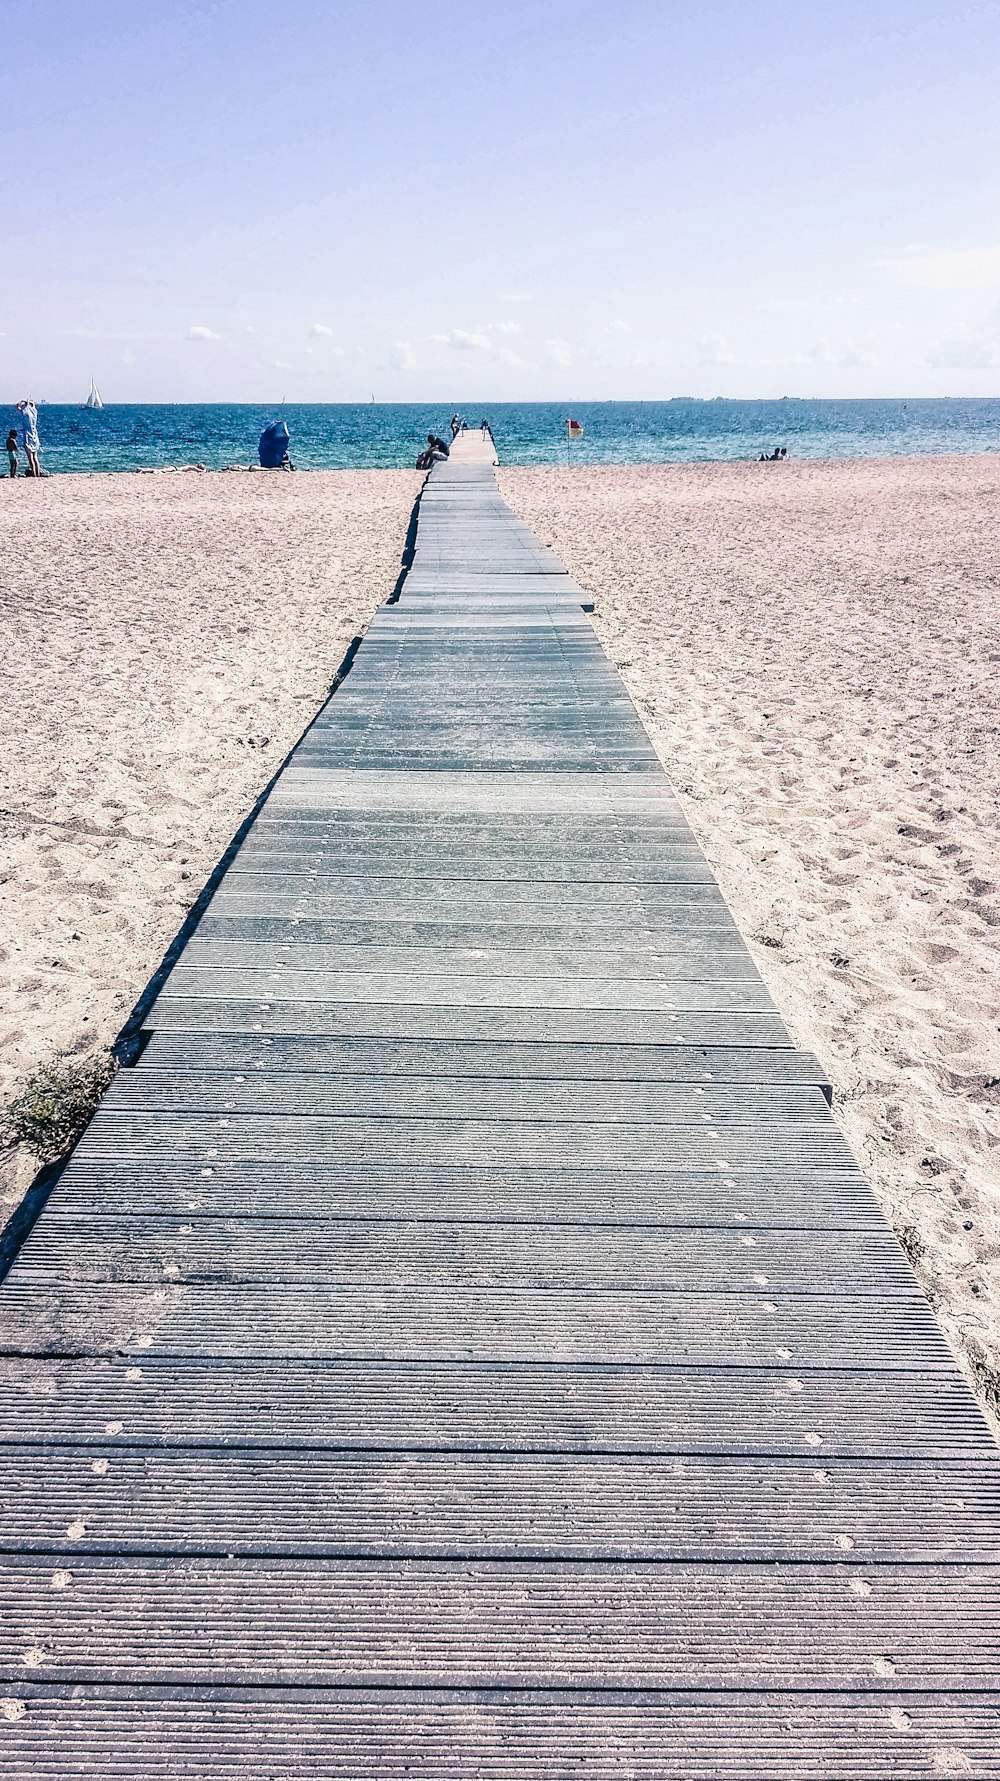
[(321, 330), (515, 297), (197, 333), (503, 327), (965, 351), (618, 326), (971, 346), (513, 359), (714, 349), (402, 356), (249, 329), (460, 340), (851, 353), (560, 353), (278, 365), (946, 268)]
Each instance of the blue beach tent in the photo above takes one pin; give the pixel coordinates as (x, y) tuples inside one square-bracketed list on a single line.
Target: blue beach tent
[(272, 447)]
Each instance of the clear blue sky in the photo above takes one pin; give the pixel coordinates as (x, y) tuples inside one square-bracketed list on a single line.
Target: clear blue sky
[(210, 200)]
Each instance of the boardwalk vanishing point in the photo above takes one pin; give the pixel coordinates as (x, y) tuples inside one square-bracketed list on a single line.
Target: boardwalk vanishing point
[(463, 1345)]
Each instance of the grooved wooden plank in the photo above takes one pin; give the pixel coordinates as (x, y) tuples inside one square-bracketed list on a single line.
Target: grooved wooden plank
[(743, 993), (475, 1097), (689, 924), (479, 1142), (577, 1026), (741, 1259), (462, 1406), (382, 896), (715, 955), (272, 1503), (809, 1198), (510, 832), (498, 1735), (337, 789), (442, 1058), (381, 1322), (682, 868), (469, 1624)]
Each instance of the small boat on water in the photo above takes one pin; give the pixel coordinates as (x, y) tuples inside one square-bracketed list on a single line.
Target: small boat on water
[(94, 399)]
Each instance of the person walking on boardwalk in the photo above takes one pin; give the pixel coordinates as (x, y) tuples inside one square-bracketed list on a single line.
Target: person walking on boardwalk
[(12, 450), (29, 433)]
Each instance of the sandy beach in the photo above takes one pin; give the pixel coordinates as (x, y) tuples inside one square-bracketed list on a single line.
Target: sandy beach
[(815, 650), (165, 640)]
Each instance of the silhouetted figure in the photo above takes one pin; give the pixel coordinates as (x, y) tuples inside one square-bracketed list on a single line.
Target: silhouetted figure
[(29, 434)]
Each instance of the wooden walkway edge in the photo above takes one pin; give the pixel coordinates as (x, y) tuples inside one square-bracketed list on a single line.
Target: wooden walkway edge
[(463, 1344)]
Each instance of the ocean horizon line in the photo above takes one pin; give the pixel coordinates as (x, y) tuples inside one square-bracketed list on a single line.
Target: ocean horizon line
[(390, 435)]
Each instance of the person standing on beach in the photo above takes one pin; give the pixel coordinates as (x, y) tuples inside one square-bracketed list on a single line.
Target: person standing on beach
[(29, 433), (12, 450)]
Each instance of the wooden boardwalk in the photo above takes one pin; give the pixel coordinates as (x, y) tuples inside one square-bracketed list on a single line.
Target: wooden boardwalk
[(463, 1345)]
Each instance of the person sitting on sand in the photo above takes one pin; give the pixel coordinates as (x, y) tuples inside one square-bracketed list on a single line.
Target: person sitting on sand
[(436, 450), (12, 450), (29, 433)]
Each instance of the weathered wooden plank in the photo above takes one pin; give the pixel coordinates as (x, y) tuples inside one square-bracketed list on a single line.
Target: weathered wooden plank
[(741, 1259), (808, 1198), (701, 992), (467, 1097), (155, 1734), (380, 1322), (717, 955), (450, 1142), (270, 1015), (448, 1057), (406, 1623), (462, 1406), (272, 1503)]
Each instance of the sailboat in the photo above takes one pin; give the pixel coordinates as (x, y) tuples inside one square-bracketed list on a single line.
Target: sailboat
[(94, 399)]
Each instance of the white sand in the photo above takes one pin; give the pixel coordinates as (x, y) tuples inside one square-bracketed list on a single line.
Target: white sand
[(163, 641), (815, 649)]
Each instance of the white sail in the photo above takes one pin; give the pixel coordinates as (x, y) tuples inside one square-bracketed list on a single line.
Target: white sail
[(94, 399)]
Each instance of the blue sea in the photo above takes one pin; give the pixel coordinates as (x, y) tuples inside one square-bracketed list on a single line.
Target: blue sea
[(385, 435)]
